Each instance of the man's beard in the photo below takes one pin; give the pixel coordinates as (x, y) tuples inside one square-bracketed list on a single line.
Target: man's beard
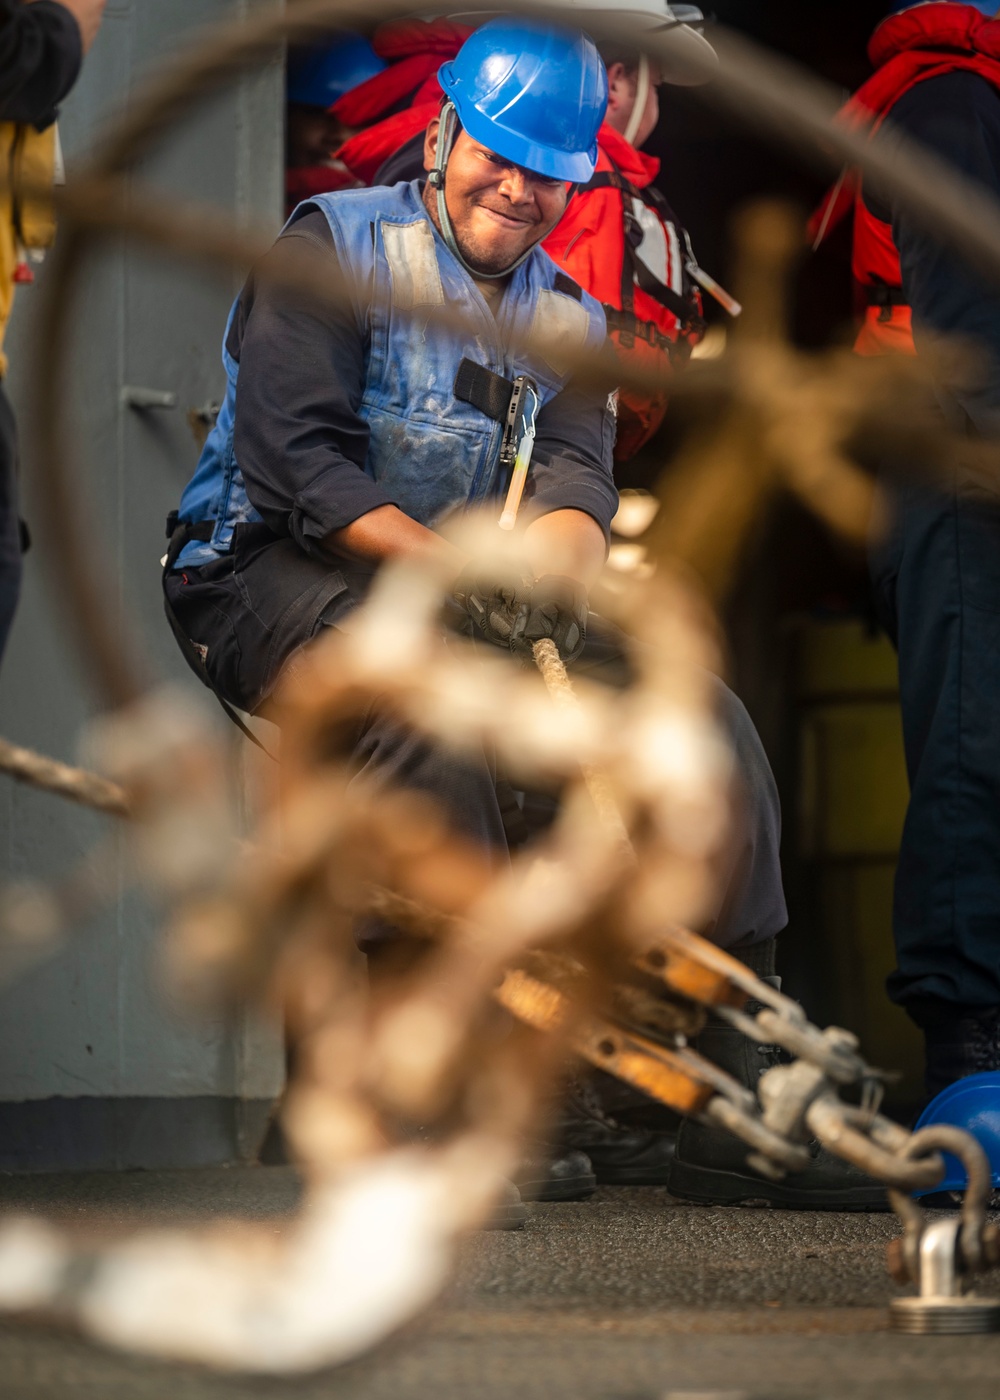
[(477, 253), (488, 261), (482, 256)]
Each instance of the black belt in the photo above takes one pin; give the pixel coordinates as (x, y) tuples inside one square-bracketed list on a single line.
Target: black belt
[(180, 534), (885, 297)]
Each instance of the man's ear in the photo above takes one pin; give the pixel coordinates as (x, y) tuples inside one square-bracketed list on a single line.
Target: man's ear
[(431, 143)]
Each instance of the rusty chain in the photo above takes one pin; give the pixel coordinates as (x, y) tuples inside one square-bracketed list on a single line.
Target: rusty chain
[(561, 937)]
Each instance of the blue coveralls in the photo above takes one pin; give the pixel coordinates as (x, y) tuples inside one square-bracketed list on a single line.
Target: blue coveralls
[(330, 415)]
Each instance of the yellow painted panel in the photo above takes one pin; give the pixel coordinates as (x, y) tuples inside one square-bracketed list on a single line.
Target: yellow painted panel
[(853, 786), (844, 658)]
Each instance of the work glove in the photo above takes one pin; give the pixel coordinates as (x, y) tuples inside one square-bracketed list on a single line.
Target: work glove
[(498, 608), (556, 608)]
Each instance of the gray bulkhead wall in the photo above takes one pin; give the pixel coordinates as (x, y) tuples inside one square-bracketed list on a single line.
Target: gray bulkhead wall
[(97, 1069)]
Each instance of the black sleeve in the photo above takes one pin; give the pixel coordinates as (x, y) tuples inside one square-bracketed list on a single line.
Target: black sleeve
[(298, 437), (40, 57), (572, 464), (958, 117)]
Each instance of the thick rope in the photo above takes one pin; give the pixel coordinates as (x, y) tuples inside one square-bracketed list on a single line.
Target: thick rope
[(560, 687), (76, 784)]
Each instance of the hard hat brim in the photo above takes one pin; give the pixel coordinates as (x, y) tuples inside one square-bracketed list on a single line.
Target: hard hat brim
[(692, 61)]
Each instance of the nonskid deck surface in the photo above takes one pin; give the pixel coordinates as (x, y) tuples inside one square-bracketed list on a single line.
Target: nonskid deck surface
[(627, 1296)]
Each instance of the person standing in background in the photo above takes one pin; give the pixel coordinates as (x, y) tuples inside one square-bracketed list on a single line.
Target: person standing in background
[(936, 570), (42, 44), (319, 77)]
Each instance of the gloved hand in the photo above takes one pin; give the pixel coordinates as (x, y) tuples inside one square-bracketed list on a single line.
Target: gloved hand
[(498, 608), (557, 608)]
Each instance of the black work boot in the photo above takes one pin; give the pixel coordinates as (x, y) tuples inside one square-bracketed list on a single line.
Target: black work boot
[(958, 1042), (710, 1165), (622, 1154), (509, 1212)]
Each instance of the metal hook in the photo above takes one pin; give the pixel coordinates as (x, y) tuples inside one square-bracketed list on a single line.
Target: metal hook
[(941, 1305)]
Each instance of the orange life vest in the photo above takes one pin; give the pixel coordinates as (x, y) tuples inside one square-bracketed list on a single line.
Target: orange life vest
[(622, 242), (906, 49)]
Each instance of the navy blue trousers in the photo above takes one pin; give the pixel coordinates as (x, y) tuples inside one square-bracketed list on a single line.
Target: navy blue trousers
[(750, 903), (250, 612), (937, 587)]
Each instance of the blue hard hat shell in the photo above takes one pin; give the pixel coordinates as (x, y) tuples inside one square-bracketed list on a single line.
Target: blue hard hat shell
[(988, 7), (320, 75), (534, 93), (972, 1104)]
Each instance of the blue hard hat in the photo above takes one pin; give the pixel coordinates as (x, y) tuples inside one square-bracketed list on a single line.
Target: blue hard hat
[(972, 1104), (988, 7), (533, 93), (320, 75)]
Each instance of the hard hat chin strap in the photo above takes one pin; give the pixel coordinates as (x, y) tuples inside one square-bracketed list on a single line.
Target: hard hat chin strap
[(446, 139), (641, 98)]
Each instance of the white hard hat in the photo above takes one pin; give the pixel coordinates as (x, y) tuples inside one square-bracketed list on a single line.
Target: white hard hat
[(694, 54)]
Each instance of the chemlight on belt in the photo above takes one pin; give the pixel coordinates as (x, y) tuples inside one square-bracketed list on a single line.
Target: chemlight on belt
[(514, 404), (518, 444), (708, 284)]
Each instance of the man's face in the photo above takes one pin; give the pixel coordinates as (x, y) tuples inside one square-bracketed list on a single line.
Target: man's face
[(623, 85), (498, 210)]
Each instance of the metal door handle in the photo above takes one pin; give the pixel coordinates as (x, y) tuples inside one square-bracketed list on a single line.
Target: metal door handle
[(142, 399)]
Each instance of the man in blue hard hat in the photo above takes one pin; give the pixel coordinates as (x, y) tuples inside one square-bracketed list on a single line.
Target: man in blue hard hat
[(317, 79), (936, 571), (349, 433)]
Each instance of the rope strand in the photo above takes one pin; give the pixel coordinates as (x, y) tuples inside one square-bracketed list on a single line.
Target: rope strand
[(75, 784)]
